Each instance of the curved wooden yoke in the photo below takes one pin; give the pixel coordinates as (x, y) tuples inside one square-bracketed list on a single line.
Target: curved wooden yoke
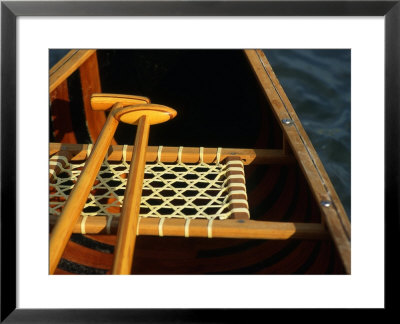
[(133, 110)]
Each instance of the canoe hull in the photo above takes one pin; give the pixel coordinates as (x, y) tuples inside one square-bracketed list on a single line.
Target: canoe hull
[(217, 106), (175, 255)]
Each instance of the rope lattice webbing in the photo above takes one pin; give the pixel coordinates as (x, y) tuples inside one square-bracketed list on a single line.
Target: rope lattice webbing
[(180, 190)]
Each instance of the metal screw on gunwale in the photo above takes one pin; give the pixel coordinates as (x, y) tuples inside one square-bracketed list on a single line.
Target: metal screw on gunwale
[(287, 121), (326, 203)]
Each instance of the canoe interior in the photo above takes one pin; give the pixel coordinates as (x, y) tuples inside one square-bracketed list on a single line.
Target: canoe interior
[(215, 93), (219, 104), (275, 193)]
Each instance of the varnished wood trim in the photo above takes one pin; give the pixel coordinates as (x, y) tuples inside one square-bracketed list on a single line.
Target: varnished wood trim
[(189, 154), (67, 65), (90, 82), (229, 228), (104, 101), (126, 236), (73, 207), (335, 216)]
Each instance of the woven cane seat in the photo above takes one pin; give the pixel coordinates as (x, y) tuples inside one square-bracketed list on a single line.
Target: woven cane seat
[(170, 190)]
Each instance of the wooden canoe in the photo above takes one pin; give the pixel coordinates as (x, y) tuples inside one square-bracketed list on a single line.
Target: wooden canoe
[(224, 98)]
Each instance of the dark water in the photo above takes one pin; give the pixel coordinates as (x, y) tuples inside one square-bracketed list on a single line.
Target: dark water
[(55, 55), (317, 83)]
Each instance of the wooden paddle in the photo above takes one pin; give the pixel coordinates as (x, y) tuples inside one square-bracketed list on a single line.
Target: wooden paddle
[(131, 110), (143, 116)]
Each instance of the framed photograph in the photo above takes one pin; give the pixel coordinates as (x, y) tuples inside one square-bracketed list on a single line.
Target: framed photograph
[(177, 39)]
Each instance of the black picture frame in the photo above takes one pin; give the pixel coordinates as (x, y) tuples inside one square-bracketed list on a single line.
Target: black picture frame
[(10, 10)]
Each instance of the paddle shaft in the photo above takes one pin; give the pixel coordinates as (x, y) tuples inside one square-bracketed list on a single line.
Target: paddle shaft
[(126, 236), (143, 114), (62, 231)]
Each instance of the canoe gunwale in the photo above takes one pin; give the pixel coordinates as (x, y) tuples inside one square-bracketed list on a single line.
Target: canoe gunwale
[(334, 217)]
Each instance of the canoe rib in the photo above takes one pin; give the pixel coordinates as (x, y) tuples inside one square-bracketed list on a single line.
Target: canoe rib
[(334, 217)]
